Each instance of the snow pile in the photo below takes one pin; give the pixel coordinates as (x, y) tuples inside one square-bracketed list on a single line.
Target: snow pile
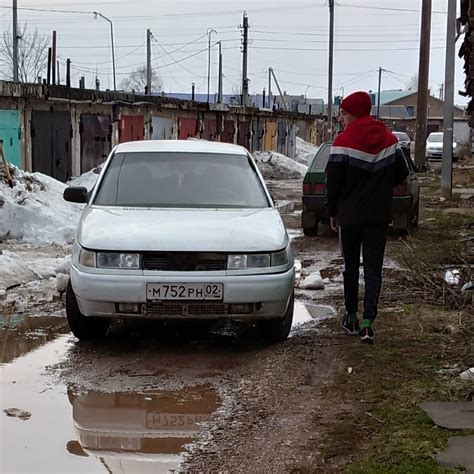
[(312, 282), (14, 271), (34, 210), (305, 151), (277, 166)]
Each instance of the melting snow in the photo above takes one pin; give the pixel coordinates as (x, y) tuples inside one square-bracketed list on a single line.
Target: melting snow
[(277, 166), (34, 210)]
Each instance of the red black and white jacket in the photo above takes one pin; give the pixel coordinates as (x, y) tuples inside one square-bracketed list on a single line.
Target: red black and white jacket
[(364, 165)]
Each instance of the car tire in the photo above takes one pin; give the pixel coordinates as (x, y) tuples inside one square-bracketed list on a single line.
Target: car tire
[(401, 223), (311, 231), (414, 218), (85, 328), (309, 223), (277, 330)]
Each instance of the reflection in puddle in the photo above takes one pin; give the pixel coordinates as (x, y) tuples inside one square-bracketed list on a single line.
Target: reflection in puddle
[(140, 432), (20, 334), (305, 312)]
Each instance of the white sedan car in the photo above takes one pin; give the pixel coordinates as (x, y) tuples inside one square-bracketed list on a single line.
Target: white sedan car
[(179, 230)]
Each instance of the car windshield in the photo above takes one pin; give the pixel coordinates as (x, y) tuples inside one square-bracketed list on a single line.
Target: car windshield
[(183, 180), (435, 137), (321, 159)]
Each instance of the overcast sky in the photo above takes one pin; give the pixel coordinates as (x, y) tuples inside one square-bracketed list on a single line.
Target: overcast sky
[(289, 36)]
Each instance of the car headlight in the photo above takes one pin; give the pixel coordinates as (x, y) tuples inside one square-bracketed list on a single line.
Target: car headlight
[(127, 261), (263, 260)]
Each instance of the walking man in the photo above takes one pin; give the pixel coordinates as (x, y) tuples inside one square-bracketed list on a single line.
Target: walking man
[(364, 165)]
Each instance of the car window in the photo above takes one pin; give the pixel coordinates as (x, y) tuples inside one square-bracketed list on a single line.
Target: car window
[(436, 138), (164, 179), (402, 136), (408, 161), (321, 159)]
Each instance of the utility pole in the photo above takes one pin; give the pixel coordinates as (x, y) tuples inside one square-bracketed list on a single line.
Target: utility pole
[(447, 166), (441, 92), (209, 33), (219, 84), (15, 41), (245, 81), (331, 66), (148, 61), (279, 90), (270, 88), (379, 92), (423, 75), (53, 59), (68, 72)]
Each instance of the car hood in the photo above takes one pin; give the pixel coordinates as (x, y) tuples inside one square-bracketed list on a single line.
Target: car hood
[(131, 229), (434, 146)]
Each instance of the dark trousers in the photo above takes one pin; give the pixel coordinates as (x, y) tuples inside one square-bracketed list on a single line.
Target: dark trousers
[(372, 238)]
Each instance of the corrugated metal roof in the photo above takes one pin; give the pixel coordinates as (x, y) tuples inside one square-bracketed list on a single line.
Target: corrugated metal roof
[(386, 97)]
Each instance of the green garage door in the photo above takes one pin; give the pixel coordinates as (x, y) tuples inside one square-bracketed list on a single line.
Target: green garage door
[(10, 133)]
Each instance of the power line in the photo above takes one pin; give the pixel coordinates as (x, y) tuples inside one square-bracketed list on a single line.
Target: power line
[(370, 7)]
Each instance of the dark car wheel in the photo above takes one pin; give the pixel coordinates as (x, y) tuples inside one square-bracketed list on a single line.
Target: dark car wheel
[(85, 328), (311, 231), (309, 223), (277, 330)]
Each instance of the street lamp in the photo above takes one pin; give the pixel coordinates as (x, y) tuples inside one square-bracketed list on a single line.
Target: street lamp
[(305, 93), (96, 14), (209, 33)]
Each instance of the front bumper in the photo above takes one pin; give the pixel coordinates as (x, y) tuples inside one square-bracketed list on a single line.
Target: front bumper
[(267, 294)]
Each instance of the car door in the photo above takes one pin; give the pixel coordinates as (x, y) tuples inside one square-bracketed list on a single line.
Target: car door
[(412, 181)]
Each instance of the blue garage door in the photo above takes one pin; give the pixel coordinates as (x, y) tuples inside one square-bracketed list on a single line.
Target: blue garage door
[(10, 133)]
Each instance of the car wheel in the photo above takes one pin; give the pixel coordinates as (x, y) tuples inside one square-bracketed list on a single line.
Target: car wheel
[(414, 217), (309, 223), (311, 231), (401, 222), (277, 330), (85, 328)]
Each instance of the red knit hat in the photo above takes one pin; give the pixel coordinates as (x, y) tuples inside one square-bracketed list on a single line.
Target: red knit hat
[(357, 104)]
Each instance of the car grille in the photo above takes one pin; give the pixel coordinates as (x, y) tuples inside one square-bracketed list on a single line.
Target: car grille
[(184, 261), (184, 309)]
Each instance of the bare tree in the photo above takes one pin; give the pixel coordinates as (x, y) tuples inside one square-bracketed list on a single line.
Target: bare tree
[(136, 81), (32, 53), (412, 83)]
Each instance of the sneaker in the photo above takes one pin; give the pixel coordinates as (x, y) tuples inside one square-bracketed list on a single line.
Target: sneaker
[(366, 332), (350, 324)]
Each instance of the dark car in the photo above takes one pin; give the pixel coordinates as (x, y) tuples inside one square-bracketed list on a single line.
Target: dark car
[(405, 205), (404, 140)]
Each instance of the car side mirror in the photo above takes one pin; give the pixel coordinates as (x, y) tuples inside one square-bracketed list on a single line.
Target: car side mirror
[(76, 194)]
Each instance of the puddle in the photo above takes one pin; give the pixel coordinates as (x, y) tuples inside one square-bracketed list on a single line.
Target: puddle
[(305, 312), (144, 431), (129, 432), (20, 334)]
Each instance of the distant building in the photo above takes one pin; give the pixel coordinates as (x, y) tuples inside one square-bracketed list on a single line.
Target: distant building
[(398, 111)]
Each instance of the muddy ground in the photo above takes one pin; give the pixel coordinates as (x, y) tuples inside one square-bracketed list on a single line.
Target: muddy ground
[(157, 397)]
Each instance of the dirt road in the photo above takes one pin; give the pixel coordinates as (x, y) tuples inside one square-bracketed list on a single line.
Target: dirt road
[(156, 397)]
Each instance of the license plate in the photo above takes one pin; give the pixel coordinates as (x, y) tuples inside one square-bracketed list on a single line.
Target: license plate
[(185, 291), (175, 422)]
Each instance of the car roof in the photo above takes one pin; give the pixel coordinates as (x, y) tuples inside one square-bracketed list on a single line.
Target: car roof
[(180, 146)]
